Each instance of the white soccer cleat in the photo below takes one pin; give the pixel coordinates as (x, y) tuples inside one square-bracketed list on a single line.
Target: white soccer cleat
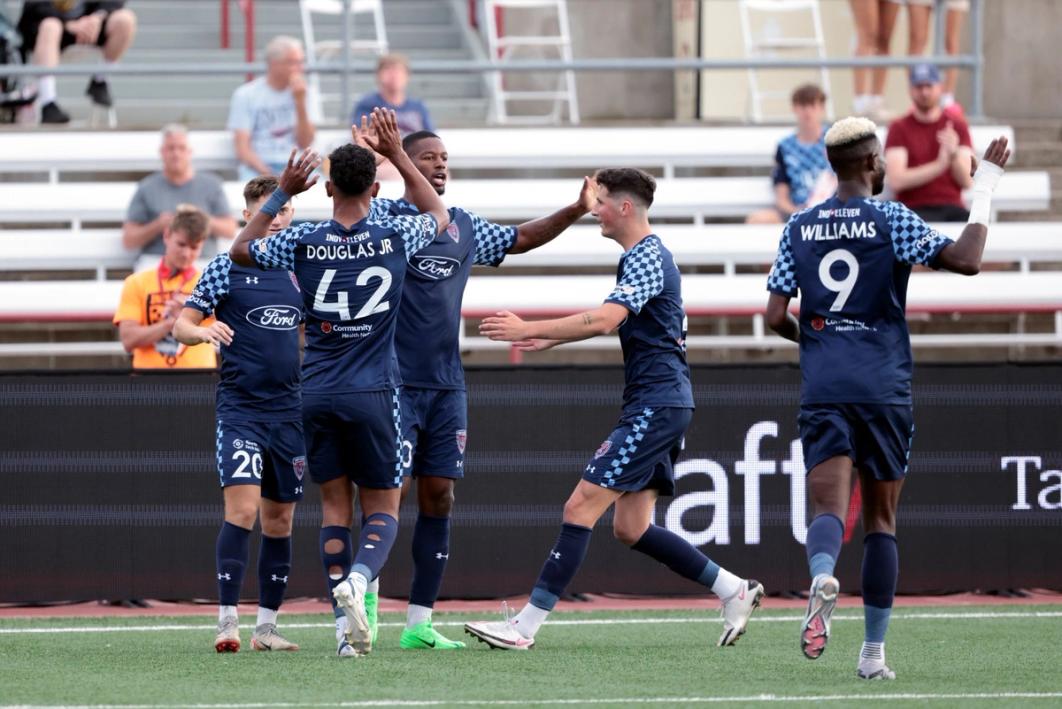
[(350, 596), (874, 670), (228, 636), (345, 649), (501, 634), (266, 638), (738, 609), (815, 631)]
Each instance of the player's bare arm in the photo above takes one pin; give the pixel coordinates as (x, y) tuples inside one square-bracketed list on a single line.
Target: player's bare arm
[(964, 256), (780, 319), (297, 177), (507, 327), (132, 334), (387, 141), (530, 235), (188, 329)]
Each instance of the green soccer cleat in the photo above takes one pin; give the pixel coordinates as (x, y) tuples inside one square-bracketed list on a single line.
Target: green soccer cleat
[(372, 605), (424, 637)]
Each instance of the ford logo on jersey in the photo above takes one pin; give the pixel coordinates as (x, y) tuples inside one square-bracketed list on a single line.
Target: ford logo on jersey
[(437, 267), (274, 317)]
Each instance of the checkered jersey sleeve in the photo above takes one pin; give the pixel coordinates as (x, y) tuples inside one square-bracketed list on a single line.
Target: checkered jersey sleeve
[(493, 241), (913, 241), (212, 286), (278, 251), (783, 277), (416, 231), (642, 277)]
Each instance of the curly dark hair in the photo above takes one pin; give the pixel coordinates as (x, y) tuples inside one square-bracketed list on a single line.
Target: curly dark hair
[(631, 181), (352, 169)]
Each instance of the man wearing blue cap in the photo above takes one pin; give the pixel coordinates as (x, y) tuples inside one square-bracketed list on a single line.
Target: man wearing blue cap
[(928, 153)]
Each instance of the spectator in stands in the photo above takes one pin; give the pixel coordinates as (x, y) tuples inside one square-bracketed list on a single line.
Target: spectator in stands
[(392, 78), (274, 113), (802, 174), (918, 14), (157, 196), (869, 84), (50, 26), (928, 153), (152, 299)]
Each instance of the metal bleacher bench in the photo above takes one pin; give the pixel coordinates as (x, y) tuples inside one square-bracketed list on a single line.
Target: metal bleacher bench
[(691, 198), (666, 148)]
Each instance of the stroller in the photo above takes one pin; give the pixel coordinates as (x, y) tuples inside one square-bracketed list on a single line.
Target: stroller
[(14, 95)]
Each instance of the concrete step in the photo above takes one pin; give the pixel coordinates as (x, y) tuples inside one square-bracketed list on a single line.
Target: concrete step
[(149, 114), (1037, 130), (194, 36), (126, 88), (142, 54), (1039, 155)]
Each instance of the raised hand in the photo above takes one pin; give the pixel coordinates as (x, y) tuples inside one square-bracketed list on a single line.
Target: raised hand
[(361, 135), (384, 138), (296, 177), (997, 152), (297, 84), (505, 327), (588, 194), (949, 141)]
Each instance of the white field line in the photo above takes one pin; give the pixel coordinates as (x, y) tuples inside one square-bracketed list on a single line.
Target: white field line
[(753, 699), (944, 615)]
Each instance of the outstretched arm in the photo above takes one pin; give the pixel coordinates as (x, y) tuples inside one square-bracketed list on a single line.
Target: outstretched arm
[(530, 235), (507, 327), (188, 329)]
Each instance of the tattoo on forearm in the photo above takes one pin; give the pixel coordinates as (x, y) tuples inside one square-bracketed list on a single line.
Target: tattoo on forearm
[(588, 319)]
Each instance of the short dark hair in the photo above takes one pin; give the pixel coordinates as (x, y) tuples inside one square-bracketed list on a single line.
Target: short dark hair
[(628, 180), (352, 169), (259, 187), (808, 95), (190, 221), (843, 158), (413, 138)]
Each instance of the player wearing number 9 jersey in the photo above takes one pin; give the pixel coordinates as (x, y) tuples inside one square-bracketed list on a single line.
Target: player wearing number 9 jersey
[(850, 259), (351, 269)]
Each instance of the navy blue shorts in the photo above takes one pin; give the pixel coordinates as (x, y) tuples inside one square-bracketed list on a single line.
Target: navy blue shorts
[(877, 437), (270, 455), (641, 451), (434, 432), (356, 435)]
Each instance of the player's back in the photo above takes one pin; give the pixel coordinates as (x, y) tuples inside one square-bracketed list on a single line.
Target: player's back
[(851, 261)]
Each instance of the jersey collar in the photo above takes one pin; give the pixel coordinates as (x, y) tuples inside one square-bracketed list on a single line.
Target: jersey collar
[(166, 273)]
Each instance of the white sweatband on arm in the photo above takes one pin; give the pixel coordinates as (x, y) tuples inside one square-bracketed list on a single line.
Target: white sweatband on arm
[(985, 180)]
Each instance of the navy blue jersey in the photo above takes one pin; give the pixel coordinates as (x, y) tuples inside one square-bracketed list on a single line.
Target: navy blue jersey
[(851, 261), (429, 321), (260, 369), (653, 336), (351, 281)]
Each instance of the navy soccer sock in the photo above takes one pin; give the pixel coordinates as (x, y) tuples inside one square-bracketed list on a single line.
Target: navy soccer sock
[(881, 567), (274, 566), (341, 559), (677, 554), (231, 562), (563, 562), (825, 535), (378, 534), (431, 550)]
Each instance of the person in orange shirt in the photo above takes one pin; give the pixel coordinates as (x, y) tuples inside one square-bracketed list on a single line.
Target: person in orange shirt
[(152, 299)]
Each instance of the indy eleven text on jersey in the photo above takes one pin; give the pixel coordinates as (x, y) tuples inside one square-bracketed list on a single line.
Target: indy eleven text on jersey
[(653, 336), (351, 282), (429, 320), (850, 262), (260, 369)]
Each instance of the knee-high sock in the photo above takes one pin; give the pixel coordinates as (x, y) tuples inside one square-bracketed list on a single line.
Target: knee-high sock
[(231, 562), (560, 568), (825, 535), (431, 551), (378, 534), (881, 567), (274, 567), (686, 560), (341, 559)]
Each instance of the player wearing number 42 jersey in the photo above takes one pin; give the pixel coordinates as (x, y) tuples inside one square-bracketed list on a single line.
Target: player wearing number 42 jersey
[(635, 463), (260, 452), (850, 259), (350, 269)]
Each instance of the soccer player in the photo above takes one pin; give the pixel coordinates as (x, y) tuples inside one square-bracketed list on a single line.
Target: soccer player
[(850, 257), (434, 404), (350, 269), (634, 464), (261, 456)]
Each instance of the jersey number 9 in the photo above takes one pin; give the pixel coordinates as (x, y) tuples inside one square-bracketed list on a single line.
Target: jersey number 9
[(843, 288)]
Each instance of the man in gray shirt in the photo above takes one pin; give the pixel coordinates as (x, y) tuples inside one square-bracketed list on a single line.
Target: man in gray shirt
[(157, 196)]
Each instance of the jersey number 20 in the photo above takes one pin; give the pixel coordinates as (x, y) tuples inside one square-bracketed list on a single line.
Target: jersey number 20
[(843, 288), (340, 305)]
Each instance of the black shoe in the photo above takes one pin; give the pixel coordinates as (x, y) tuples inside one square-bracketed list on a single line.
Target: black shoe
[(100, 93), (51, 113)]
